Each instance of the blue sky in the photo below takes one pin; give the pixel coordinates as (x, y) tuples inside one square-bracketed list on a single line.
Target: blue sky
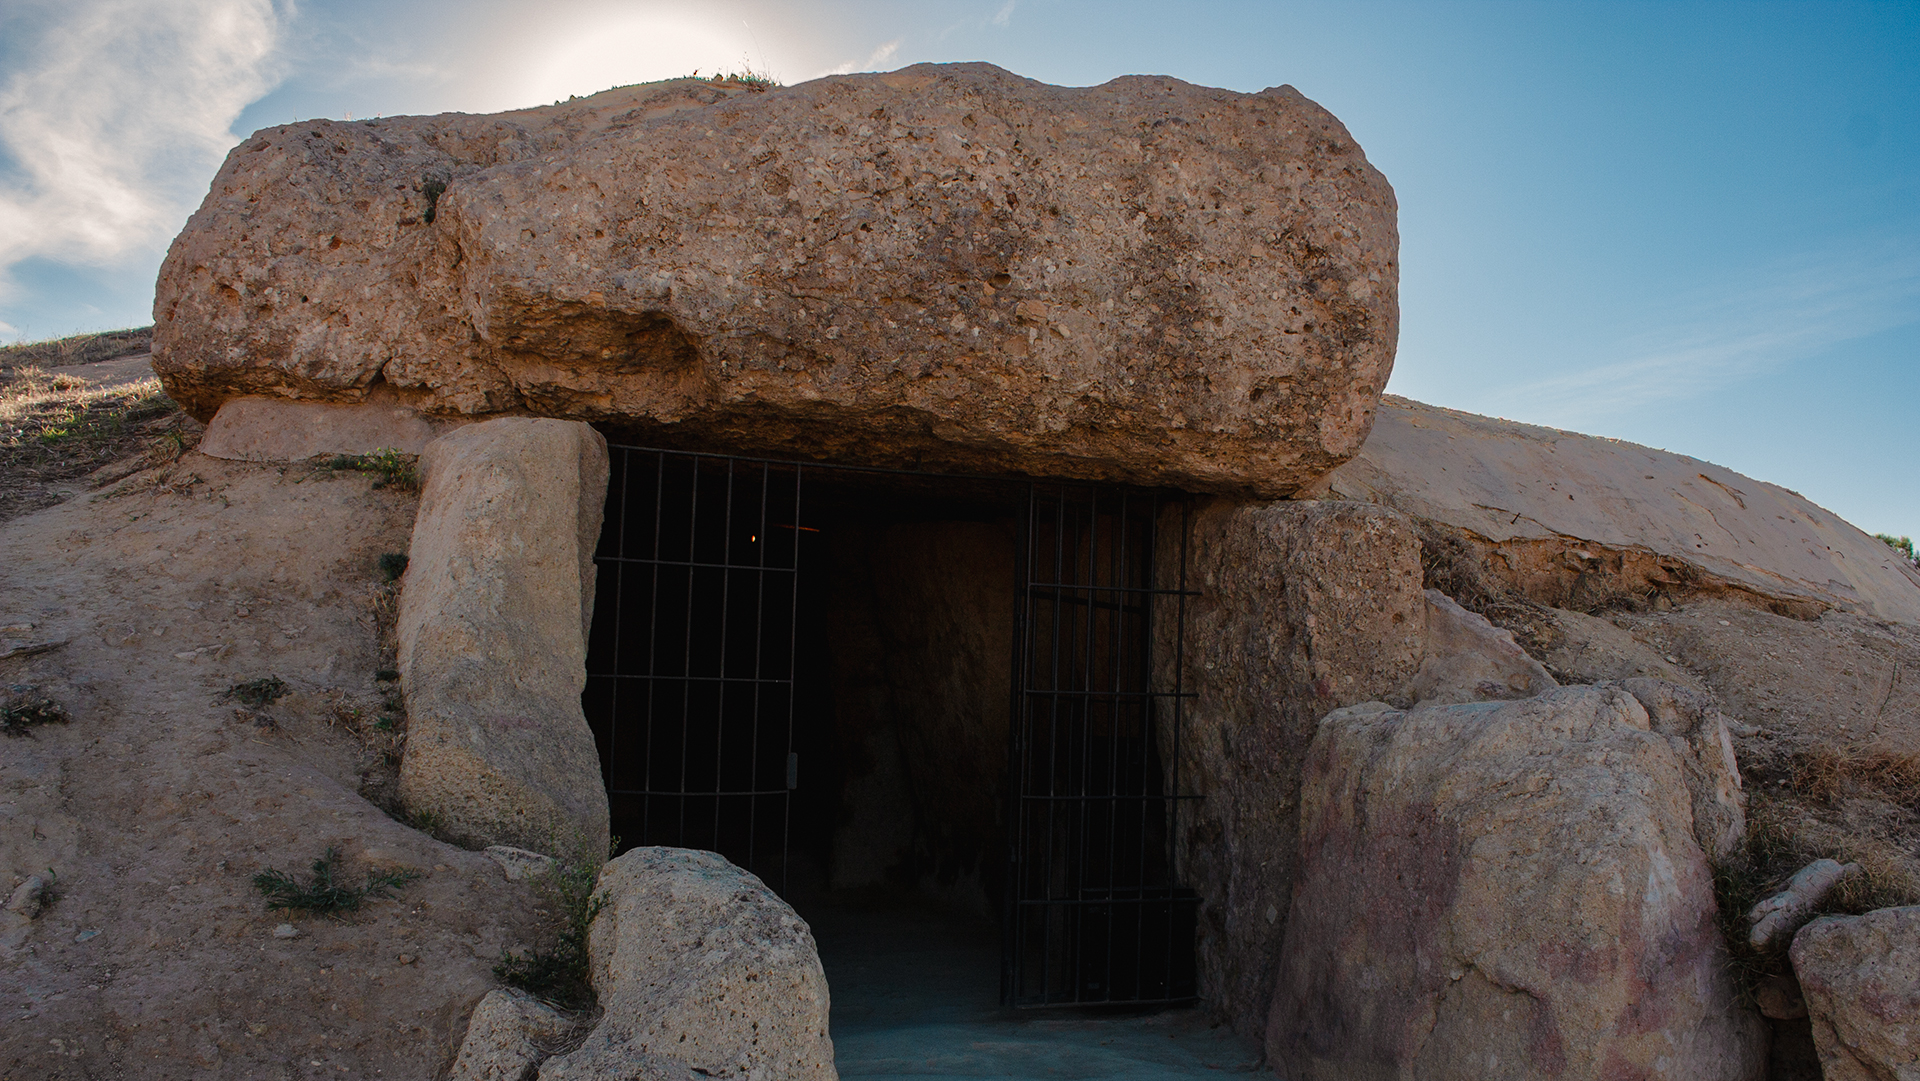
[(1690, 225)]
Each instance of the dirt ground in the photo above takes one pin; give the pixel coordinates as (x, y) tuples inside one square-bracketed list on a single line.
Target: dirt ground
[(135, 607)]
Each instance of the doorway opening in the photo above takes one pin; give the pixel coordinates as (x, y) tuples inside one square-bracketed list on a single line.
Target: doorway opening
[(961, 689)]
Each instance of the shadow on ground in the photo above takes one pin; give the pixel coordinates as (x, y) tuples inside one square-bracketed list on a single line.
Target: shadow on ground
[(916, 995)]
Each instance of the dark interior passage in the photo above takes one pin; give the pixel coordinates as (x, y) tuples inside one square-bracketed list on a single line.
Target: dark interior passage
[(808, 676), (856, 683)]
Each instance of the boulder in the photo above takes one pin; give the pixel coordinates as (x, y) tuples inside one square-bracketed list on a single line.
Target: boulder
[(1698, 735), (1496, 890), (1784, 913), (508, 1036), (1468, 659), (1577, 521), (697, 963), (1861, 979), (946, 266), (1302, 608), (495, 608)]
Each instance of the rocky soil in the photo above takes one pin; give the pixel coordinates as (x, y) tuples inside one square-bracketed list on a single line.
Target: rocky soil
[(154, 795)]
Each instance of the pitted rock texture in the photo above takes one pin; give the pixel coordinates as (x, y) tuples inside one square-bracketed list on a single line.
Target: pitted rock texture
[(1504, 890), (945, 266), (508, 1036), (1861, 979), (494, 613), (1303, 607), (700, 969)]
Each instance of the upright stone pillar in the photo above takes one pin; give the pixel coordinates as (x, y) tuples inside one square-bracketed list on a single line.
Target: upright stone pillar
[(494, 615)]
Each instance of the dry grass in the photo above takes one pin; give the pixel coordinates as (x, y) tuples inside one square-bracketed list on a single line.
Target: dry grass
[(78, 349), (1829, 774), (1779, 843), (56, 428)]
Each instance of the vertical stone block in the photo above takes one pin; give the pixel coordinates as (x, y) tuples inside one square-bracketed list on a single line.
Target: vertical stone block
[(1304, 607), (494, 614)]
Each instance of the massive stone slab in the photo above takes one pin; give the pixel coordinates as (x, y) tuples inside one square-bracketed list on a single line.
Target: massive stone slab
[(494, 614), (1497, 890), (1576, 521), (700, 970), (946, 266)]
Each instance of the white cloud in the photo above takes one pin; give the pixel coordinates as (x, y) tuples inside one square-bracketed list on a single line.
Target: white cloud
[(1005, 14), (116, 114), (876, 60), (1791, 312)]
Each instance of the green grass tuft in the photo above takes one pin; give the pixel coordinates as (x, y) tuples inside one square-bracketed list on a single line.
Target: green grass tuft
[(324, 893), (258, 693), (395, 469), (558, 973)]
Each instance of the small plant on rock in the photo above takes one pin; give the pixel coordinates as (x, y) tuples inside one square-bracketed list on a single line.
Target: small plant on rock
[(558, 974), (1903, 545), (394, 468), (323, 892)]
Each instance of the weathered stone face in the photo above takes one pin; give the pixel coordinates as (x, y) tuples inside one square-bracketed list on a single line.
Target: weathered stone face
[(1861, 976), (1510, 889), (947, 266), (700, 971), (492, 637)]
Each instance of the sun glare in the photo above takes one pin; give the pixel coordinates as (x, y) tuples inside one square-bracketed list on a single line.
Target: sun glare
[(633, 49)]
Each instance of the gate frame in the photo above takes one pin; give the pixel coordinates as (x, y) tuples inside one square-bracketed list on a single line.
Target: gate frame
[(1020, 691)]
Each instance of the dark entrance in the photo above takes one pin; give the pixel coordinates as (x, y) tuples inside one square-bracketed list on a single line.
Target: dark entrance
[(752, 620), (1094, 914)]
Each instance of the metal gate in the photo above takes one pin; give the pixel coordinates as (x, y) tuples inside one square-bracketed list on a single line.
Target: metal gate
[(691, 694), (1094, 914), (693, 708)]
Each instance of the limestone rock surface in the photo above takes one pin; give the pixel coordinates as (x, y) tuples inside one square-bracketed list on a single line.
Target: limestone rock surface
[(1303, 607), (1861, 979), (508, 1036), (278, 430), (495, 608), (1566, 512), (947, 265), (1468, 659), (1496, 890), (1784, 913), (698, 963)]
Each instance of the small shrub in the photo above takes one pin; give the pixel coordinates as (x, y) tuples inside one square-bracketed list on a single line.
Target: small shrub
[(558, 974), (394, 468), (393, 565), (1903, 545), (323, 893), (21, 712), (258, 693)]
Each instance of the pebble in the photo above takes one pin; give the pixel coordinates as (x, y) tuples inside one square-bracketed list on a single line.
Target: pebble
[(407, 959), (286, 930)]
